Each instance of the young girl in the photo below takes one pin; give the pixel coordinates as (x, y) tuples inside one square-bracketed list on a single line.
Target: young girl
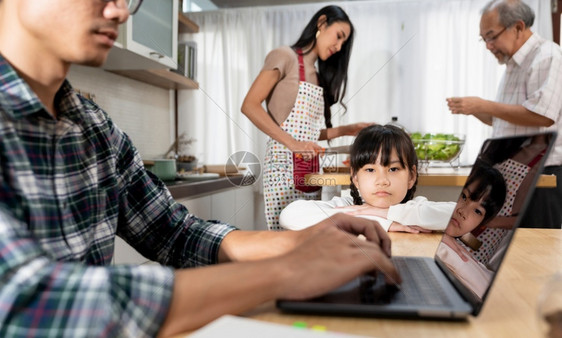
[(298, 100), (383, 182), (480, 201)]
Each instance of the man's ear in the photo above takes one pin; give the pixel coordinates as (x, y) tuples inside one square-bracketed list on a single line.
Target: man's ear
[(413, 176), (519, 26)]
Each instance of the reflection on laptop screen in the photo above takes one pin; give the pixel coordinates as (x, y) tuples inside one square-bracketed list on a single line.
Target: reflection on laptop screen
[(487, 211)]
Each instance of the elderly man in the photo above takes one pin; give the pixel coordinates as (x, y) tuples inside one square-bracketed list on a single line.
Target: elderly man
[(71, 180), (529, 98)]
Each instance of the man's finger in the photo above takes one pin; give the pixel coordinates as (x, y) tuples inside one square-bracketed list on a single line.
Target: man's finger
[(386, 267)]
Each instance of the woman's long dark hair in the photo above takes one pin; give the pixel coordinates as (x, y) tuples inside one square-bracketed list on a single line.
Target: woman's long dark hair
[(377, 139), (332, 73)]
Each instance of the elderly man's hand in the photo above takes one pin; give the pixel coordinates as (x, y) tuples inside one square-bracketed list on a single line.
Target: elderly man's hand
[(470, 105)]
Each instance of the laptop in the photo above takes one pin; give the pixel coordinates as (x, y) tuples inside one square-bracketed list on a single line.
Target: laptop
[(446, 286)]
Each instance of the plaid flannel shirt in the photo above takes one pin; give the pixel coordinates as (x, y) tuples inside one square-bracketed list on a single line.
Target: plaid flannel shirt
[(68, 186)]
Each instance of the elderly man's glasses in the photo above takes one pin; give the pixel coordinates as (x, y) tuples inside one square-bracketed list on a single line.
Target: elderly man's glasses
[(132, 5), (493, 38)]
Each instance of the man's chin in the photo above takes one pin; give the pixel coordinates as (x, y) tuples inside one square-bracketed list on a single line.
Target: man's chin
[(502, 59), (92, 58), (92, 62)]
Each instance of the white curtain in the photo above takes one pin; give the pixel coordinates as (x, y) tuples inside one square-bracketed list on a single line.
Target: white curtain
[(408, 56)]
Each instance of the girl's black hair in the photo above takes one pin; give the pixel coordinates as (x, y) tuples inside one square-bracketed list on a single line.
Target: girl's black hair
[(375, 140), (332, 73), (490, 186)]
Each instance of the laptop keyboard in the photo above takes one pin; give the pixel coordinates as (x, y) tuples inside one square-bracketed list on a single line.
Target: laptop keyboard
[(419, 285)]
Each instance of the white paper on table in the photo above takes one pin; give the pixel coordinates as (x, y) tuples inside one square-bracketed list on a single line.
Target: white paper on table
[(240, 327)]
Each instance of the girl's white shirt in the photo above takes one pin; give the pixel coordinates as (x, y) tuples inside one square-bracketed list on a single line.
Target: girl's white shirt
[(419, 211)]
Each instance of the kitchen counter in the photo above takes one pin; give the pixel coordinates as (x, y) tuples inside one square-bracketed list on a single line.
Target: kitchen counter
[(187, 189), (442, 176)]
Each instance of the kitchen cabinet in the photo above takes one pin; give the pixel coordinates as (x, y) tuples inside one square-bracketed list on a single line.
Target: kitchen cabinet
[(153, 31), (146, 49), (200, 206), (245, 208), (152, 34), (125, 254), (234, 205)]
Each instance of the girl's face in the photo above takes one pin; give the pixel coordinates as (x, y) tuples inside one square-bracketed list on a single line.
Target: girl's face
[(331, 38), (467, 215), (383, 186)]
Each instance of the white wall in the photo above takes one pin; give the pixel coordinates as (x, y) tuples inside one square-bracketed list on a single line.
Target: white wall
[(143, 111)]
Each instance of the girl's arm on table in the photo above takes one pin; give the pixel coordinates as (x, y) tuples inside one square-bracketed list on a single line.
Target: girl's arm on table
[(419, 212), (303, 213)]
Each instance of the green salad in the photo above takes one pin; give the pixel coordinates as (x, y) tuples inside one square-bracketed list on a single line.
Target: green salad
[(437, 147)]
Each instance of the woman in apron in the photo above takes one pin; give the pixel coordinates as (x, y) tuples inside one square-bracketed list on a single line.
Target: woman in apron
[(298, 103)]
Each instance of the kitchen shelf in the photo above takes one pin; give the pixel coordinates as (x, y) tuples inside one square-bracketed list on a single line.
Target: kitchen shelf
[(163, 78), (185, 25)]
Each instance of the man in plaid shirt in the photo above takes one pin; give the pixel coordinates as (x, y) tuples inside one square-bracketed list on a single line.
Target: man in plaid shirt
[(528, 99), (71, 180)]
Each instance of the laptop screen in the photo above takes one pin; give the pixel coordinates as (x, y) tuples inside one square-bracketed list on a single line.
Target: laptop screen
[(489, 208)]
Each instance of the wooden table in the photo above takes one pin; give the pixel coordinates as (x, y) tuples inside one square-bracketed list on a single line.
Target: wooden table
[(448, 177), (509, 311)]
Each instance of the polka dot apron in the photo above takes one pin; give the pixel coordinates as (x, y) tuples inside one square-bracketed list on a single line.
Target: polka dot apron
[(304, 124)]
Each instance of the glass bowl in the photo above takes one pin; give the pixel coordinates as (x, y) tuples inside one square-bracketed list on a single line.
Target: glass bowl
[(438, 147)]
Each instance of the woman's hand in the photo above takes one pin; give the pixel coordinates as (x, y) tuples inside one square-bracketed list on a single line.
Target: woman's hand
[(355, 128), (306, 149), (346, 130)]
